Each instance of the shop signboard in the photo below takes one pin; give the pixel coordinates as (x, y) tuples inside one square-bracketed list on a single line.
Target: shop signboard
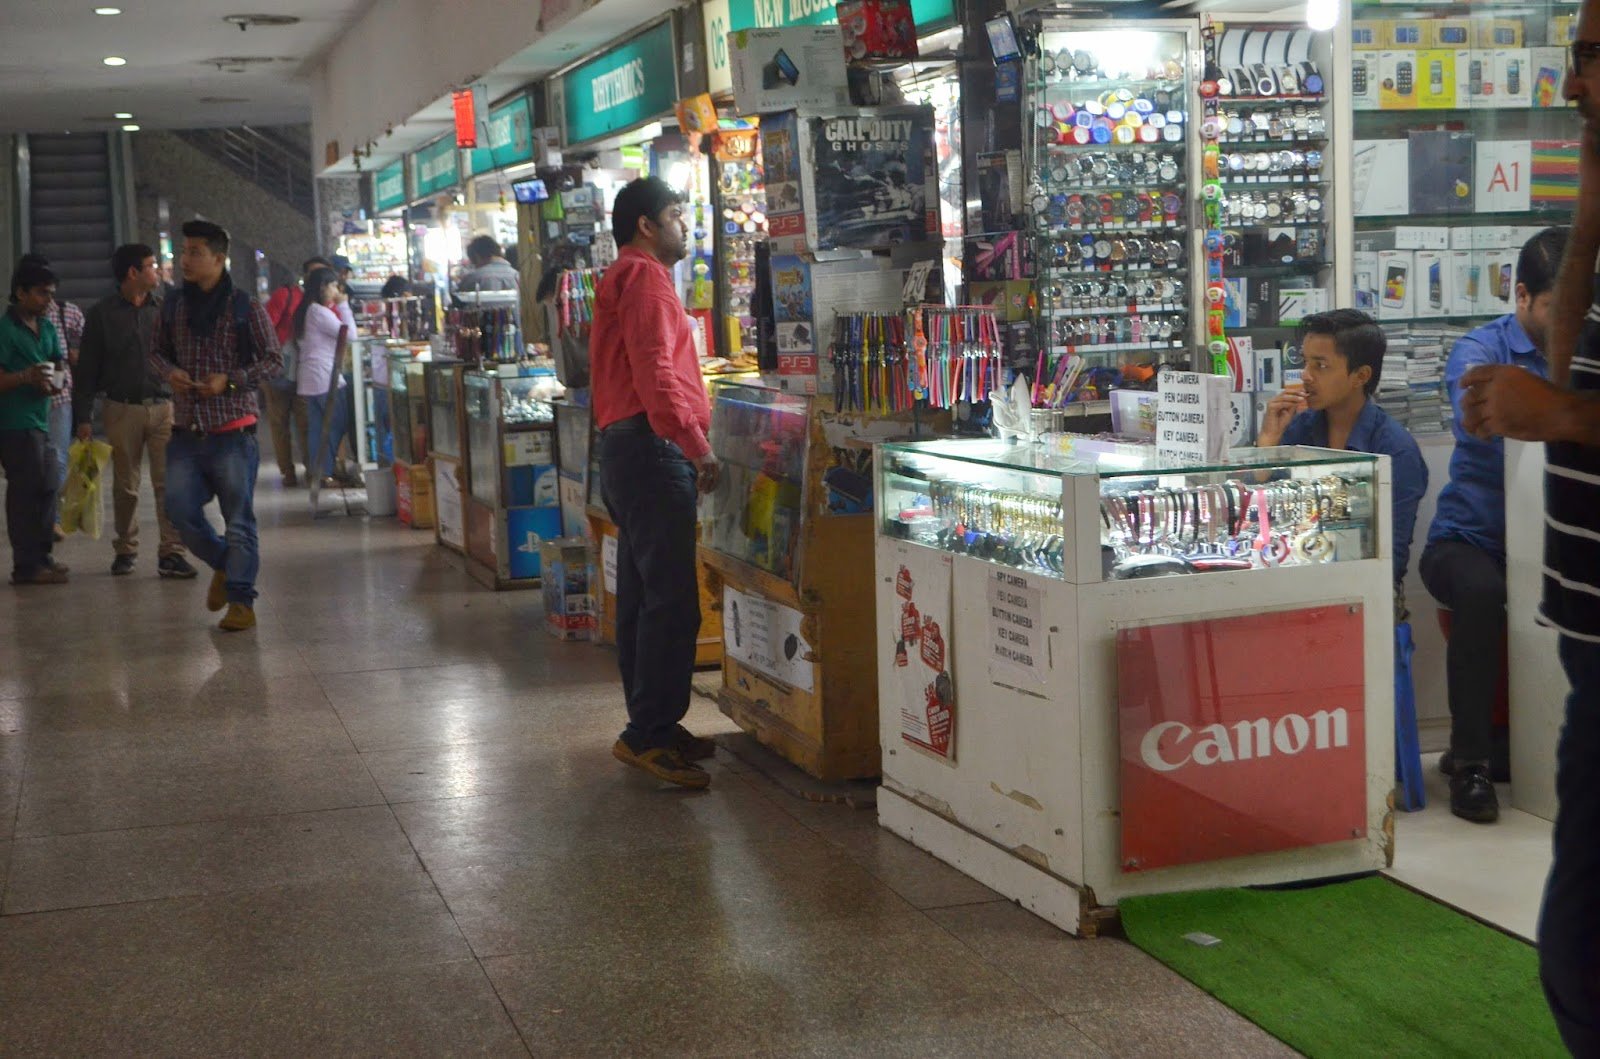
[(389, 186), (509, 136), (1241, 735), (436, 167), (723, 17), (633, 83)]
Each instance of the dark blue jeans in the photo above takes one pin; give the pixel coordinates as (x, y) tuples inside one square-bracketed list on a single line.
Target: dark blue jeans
[(221, 466), (649, 488), (1569, 923), (323, 443), (29, 461)]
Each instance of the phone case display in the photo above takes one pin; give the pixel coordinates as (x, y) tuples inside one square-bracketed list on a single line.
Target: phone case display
[(1071, 721), (742, 205), (1108, 197), (1151, 524), (1268, 192), (787, 536), (1464, 149), (514, 486)]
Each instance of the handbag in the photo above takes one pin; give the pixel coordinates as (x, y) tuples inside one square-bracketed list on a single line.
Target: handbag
[(291, 362)]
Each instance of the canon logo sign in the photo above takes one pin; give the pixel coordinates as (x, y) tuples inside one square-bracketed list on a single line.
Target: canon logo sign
[(1218, 744)]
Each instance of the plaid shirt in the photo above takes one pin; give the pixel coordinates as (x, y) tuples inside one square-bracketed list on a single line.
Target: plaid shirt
[(68, 319), (214, 354)]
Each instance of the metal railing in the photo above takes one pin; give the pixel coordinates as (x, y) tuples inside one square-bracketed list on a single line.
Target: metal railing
[(276, 159)]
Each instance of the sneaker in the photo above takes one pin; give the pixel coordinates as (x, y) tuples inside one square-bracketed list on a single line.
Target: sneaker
[(691, 746), (217, 594), (176, 566), (664, 763), (122, 565), (1472, 795), (240, 616), (43, 576)]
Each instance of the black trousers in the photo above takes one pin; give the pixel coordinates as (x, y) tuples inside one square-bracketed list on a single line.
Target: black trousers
[(30, 465), (1472, 583), (650, 489)]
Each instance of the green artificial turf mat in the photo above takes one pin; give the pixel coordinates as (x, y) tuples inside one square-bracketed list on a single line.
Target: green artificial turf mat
[(1361, 968)]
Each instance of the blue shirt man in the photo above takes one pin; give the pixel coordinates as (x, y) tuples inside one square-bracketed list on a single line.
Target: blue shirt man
[(1343, 351), (1464, 563)]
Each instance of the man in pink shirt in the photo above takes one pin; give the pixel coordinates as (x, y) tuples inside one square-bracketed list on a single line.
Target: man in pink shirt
[(650, 405)]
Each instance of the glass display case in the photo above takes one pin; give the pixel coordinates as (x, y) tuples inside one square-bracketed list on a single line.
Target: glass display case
[(408, 410), (742, 203), (754, 515), (510, 438), (1008, 503), (1109, 172), (442, 378), (1463, 150)]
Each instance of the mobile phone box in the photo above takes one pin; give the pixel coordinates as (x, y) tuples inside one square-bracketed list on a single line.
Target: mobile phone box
[(1514, 74), (1404, 33), (1365, 264), (1396, 284), (1371, 97), (1463, 284), (1397, 80), (1432, 285), (1369, 34), (1436, 79), (1447, 33), (1497, 32)]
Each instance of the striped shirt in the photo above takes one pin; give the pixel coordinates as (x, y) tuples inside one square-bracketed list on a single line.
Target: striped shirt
[(1572, 512), (68, 319)]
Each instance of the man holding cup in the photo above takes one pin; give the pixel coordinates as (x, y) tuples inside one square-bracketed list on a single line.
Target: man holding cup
[(31, 373)]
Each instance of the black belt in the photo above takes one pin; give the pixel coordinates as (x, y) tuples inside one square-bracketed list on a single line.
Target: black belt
[(634, 424), (148, 402), (202, 434)]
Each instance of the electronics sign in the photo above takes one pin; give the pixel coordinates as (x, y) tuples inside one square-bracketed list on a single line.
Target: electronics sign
[(1241, 735)]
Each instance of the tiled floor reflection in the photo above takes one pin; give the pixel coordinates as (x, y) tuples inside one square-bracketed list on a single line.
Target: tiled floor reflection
[(387, 822)]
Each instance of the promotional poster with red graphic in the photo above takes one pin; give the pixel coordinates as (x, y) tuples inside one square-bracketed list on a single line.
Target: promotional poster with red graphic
[(919, 628), (1241, 735)]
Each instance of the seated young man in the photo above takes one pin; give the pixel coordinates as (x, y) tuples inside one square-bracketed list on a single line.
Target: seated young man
[(1343, 352), (1464, 564)]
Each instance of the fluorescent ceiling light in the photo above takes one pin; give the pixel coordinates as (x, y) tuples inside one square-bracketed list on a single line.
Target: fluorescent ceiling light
[(122, 115), (108, 10), (130, 128), (114, 60), (1322, 15)]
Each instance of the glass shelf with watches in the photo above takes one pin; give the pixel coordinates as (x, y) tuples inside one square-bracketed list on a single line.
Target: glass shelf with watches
[(1254, 510)]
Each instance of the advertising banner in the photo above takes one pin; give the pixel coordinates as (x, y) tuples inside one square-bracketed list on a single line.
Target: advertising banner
[(767, 637), (916, 651), (1241, 735)]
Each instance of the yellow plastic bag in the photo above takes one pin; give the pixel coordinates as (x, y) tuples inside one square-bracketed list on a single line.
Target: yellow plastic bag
[(80, 501)]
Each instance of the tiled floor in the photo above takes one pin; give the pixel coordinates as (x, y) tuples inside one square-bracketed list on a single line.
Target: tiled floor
[(388, 822), (1495, 872)]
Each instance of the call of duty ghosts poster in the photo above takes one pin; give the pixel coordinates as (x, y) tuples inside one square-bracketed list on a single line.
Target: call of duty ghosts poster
[(862, 182)]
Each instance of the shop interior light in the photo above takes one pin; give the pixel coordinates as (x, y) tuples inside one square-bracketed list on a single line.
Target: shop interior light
[(1322, 15), (130, 128), (114, 60), (108, 10), (678, 175), (123, 115)]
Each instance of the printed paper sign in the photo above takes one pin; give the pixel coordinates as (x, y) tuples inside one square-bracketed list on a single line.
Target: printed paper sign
[(1018, 652), (1504, 175), (919, 653), (1192, 415), (767, 637), (608, 562)]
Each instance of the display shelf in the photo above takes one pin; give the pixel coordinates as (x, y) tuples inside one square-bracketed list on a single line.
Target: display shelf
[(513, 500), (1107, 348), (1269, 142), (1121, 308), (1093, 84), (1072, 186), (1173, 146), (1275, 101)]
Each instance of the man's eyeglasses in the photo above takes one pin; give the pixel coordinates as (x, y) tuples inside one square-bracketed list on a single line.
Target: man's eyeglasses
[(1582, 52)]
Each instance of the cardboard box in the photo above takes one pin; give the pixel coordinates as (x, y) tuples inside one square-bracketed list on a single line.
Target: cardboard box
[(1369, 34), (1364, 80), (1441, 172), (1548, 67), (1514, 77), (1432, 284), (1497, 32), (1296, 303), (878, 29), (1365, 264), (1397, 80), (1382, 178), (1497, 283), (1563, 29), (1421, 237), (1447, 33), (793, 68), (1436, 79), (1465, 273), (1396, 294), (569, 596), (1475, 80), (1405, 33)]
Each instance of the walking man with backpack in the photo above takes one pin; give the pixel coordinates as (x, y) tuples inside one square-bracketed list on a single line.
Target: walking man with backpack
[(215, 346)]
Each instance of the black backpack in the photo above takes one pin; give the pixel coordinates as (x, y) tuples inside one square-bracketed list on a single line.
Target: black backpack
[(243, 341)]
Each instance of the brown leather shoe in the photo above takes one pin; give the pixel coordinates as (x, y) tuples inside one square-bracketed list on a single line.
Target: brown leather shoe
[(47, 575), (664, 763), (239, 618), (217, 594), (691, 746)]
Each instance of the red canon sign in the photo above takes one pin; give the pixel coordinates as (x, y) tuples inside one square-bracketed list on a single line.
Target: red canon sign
[(1241, 735)]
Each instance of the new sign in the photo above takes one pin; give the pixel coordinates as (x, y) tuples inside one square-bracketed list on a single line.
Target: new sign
[(510, 136), (723, 17), (389, 186), (436, 167), (1241, 735), (629, 85)]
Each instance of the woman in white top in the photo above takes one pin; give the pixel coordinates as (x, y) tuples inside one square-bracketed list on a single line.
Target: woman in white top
[(317, 326)]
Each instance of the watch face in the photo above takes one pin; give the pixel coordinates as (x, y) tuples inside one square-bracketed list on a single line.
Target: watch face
[(1149, 134), (1083, 62), (1172, 133)]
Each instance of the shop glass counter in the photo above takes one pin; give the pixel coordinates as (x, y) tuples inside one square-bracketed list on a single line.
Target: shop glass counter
[(443, 388), (408, 410), (1018, 504), (510, 438), (754, 515)]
